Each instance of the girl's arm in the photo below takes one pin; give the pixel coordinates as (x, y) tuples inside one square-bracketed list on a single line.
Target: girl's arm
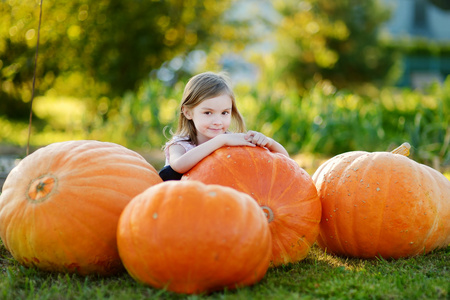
[(182, 161), (261, 140)]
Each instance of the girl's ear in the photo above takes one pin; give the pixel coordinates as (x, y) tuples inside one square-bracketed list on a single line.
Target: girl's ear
[(187, 113)]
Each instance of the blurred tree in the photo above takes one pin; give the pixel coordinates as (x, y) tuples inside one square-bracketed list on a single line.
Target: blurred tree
[(442, 4), (333, 40), (94, 49)]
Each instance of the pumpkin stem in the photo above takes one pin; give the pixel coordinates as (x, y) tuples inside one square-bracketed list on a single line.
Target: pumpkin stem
[(268, 212), (41, 188), (403, 149)]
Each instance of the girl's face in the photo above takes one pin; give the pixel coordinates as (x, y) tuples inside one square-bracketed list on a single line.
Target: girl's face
[(211, 117)]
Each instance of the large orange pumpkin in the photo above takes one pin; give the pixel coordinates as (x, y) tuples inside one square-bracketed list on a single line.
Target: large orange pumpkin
[(285, 192), (60, 206), (190, 237), (382, 204)]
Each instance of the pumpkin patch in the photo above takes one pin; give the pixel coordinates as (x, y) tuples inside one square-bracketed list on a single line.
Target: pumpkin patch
[(60, 206), (284, 191), (189, 237), (89, 207), (382, 204)]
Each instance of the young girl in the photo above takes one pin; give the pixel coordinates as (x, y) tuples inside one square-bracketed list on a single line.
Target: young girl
[(208, 107)]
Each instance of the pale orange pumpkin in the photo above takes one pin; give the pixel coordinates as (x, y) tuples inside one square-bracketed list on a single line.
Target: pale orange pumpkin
[(60, 206), (189, 237), (382, 204), (285, 192)]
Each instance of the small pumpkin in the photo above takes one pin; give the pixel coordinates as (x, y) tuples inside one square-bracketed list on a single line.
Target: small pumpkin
[(189, 238), (285, 192), (60, 206), (382, 204)]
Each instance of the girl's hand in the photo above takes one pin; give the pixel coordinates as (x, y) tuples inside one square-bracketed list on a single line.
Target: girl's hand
[(235, 139), (258, 139)]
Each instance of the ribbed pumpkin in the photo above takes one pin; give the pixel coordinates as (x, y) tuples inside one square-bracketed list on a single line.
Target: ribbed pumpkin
[(60, 206), (285, 192), (382, 204), (189, 237)]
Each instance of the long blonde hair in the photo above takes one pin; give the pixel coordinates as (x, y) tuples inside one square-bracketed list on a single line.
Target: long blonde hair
[(202, 87)]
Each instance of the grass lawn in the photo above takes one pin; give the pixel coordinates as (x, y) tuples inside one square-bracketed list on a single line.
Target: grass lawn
[(319, 276)]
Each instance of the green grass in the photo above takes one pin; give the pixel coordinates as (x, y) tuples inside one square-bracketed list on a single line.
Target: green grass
[(319, 276)]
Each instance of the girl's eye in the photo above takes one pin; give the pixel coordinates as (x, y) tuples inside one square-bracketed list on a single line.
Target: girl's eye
[(207, 112), (226, 113)]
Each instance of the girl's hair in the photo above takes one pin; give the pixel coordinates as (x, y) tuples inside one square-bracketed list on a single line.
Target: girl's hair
[(202, 87)]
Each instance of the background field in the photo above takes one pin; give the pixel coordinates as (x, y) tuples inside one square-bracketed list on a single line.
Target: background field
[(317, 125)]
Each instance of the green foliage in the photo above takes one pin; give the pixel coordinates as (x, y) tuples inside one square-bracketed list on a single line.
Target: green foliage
[(330, 121), (95, 49), (420, 47), (142, 116), (324, 120), (332, 40)]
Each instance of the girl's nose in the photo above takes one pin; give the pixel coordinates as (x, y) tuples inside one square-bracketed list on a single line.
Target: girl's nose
[(217, 120)]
